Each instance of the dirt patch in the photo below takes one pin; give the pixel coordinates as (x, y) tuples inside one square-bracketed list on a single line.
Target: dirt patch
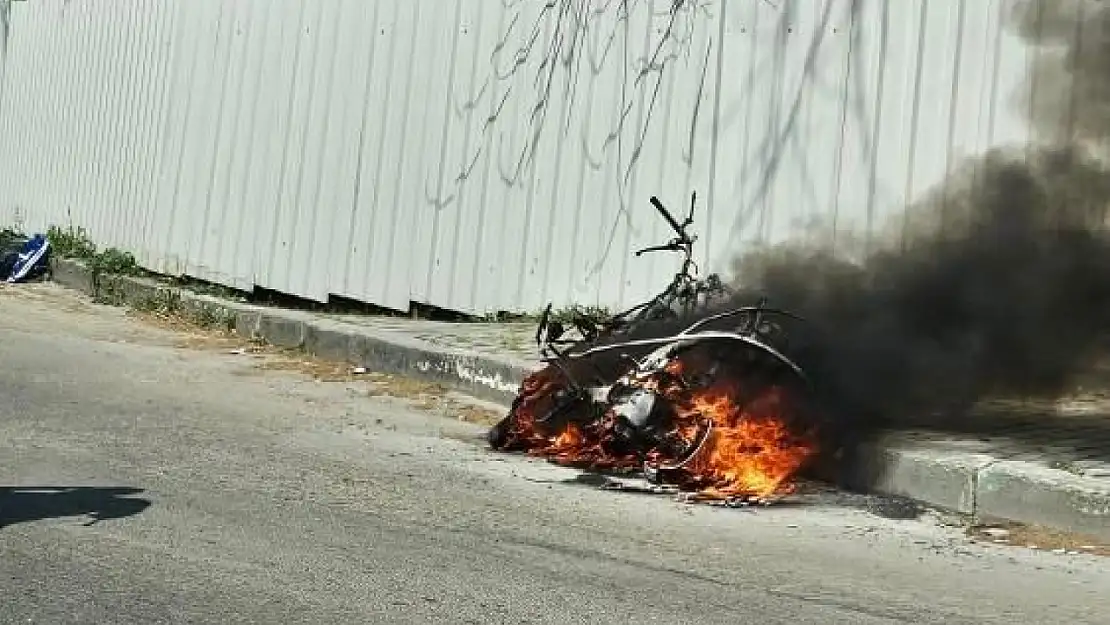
[(478, 415), (1041, 538), (426, 396), (55, 299)]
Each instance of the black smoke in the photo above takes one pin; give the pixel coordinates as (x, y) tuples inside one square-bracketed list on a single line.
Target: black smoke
[(998, 282), (1013, 301), (995, 284)]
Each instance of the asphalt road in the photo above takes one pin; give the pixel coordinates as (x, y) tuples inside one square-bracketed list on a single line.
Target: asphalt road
[(231, 494)]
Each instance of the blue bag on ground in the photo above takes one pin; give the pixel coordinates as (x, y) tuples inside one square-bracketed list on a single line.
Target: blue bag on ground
[(29, 261)]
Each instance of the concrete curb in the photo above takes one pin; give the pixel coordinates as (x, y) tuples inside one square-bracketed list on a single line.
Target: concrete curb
[(480, 375), (985, 487), (978, 485)]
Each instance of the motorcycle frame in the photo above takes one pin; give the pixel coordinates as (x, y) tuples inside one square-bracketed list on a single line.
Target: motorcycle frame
[(684, 288), (661, 307)]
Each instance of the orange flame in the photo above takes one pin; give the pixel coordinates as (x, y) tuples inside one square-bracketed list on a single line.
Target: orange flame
[(751, 451)]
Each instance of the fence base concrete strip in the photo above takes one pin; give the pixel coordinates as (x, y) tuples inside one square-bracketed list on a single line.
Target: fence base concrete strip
[(974, 484)]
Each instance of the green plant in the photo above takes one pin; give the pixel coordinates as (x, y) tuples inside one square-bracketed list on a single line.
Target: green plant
[(9, 234), (171, 302), (594, 314), (204, 288), (105, 269), (213, 317), (70, 242), (113, 261), (161, 301), (75, 243), (563, 315)]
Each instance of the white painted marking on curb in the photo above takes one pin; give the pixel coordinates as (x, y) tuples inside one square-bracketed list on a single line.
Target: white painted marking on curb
[(494, 381)]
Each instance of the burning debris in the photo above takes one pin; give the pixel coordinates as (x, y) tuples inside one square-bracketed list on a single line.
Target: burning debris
[(715, 409), (723, 440)]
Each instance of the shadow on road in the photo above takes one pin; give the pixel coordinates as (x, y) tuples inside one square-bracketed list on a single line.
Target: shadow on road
[(34, 503)]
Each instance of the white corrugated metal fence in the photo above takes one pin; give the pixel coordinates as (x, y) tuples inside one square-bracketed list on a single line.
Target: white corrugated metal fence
[(484, 155)]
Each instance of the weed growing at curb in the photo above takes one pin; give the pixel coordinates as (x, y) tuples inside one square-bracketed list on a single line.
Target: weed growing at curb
[(109, 266), (75, 243), (9, 236), (168, 303), (70, 242), (564, 315), (594, 314)]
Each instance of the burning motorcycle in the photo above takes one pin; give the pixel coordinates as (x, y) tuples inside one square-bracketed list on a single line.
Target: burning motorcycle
[(709, 403)]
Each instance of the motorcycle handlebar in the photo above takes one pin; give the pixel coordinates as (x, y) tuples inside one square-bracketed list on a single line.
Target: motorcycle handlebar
[(669, 217), (668, 247)]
